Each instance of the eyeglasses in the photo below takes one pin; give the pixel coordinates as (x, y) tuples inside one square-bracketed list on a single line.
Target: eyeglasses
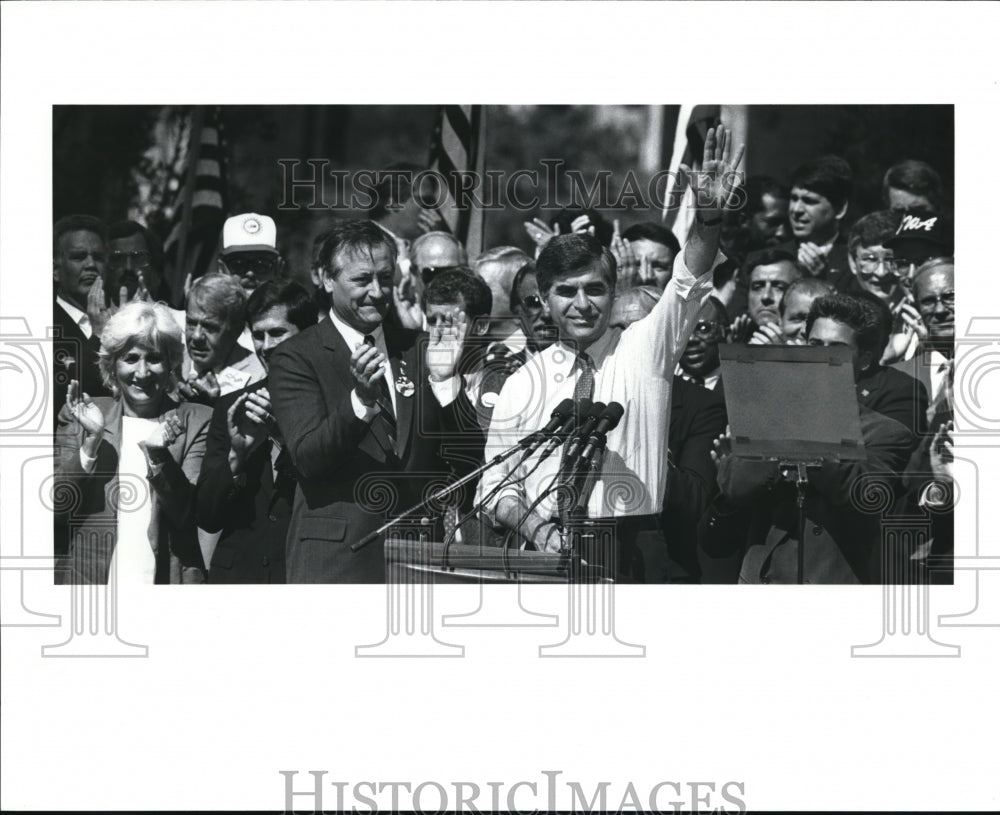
[(708, 328), (869, 264), (428, 273), (119, 260), (258, 264), (532, 301), (930, 303)]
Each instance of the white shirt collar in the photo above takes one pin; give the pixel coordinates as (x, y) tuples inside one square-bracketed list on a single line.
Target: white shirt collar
[(352, 336), (596, 351), (75, 315)]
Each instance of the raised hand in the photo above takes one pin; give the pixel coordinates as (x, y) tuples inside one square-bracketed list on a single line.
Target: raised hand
[(719, 178), (581, 225), (406, 300), (767, 334), (813, 258), (723, 447), (204, 389), (99, 311), (87, 414), (540, 233), (430, 220), (164, 434), (445, 346), (629, 271), (740, 329), (246, 432), (368, 365)]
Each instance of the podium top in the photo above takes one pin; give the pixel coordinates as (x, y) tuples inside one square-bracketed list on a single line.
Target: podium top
[(493, 562)]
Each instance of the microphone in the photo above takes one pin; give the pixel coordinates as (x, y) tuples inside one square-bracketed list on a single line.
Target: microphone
[(608, 421), (564, 433), (586, 428), (564, 409)]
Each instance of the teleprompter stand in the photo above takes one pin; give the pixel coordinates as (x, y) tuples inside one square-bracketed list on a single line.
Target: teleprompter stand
[(795, 405)]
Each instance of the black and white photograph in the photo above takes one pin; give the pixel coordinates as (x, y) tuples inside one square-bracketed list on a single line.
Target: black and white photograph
[(440, 385)]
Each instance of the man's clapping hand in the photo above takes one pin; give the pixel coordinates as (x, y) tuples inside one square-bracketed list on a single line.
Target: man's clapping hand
[(368, 366), (767, 334), (813, 258), (203, 389), (249, 421)]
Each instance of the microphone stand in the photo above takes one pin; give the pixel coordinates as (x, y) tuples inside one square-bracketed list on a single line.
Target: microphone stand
[(446, 491)]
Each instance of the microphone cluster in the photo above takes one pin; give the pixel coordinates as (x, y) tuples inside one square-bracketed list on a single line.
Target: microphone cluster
[(582, 426)]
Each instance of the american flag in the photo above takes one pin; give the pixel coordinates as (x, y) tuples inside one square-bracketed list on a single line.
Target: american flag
[(458, 145), (199, 208)]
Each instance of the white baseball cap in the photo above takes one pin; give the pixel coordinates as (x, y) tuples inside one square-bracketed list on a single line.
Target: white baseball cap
[(249, 232)]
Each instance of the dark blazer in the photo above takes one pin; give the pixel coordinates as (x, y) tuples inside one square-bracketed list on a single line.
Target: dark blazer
[(350, 479), (91, 500), (697, 417), (253, 518), (74, 356), (843, 542), (896, 395)]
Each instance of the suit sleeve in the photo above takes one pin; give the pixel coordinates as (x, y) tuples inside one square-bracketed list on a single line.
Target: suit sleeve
[(691, 479), (887, 446), (215, 482), (320, 437)]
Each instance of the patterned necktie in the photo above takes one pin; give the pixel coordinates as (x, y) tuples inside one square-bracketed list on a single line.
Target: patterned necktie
[(384, 401), (584, 390)]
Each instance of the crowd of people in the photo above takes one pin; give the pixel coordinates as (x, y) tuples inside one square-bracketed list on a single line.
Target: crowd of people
[(258, 433)]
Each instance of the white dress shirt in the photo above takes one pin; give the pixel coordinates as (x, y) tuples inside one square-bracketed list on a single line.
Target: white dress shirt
[(633, 367)]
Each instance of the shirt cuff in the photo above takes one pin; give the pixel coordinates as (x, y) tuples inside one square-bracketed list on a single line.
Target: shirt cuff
[(361, 410), (446, 390), (87, 462)]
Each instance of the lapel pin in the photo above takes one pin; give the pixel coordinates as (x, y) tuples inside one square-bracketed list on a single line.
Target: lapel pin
[(404, 385)]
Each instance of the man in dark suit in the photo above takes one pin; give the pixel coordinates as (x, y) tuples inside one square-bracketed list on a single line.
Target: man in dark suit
[(79, 255), (697, 417), (843, 544), (353, 399), (889, 391), (247, 483)]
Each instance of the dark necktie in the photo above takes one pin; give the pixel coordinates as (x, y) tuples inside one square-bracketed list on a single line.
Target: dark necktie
[(384, 400)]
